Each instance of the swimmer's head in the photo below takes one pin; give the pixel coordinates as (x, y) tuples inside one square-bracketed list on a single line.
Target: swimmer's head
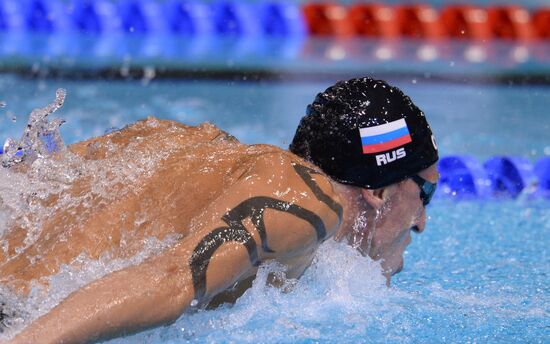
[(372, 139), (365, 133)]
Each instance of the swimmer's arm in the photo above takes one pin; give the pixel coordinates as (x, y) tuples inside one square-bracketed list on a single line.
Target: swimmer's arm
[(153, 293), (120, 303), (160, 289)]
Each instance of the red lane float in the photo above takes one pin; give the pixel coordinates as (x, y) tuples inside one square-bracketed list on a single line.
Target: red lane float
[(465, 21), (373, 20), (541, 23), (418, 21), (510, 22), (327, 19), (459, 21)]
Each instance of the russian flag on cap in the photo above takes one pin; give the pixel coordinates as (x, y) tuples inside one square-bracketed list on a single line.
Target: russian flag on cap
[(384, 137)]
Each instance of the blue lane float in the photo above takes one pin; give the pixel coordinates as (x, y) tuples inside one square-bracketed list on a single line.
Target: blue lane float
[(11, 16), (280, 19), (542, 172), (94, 17), (232, 18), (189, 18), (509, 175), (463, 177), (42, 18), (142, 17), (45, 16)]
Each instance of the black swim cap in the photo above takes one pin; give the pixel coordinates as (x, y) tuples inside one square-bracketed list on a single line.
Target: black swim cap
[(366, 133)]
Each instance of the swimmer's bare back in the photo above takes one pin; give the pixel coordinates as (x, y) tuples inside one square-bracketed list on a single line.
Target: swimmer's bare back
[(233, 206)]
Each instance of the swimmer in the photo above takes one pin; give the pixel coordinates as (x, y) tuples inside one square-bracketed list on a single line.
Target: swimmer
[(360, 169)]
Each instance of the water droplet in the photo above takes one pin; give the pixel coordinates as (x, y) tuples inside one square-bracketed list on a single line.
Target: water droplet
[(124, 71), (149, 74), (194, 303), (2, 104)]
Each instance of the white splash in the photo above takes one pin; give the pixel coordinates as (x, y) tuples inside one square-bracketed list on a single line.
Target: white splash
[(339, 281), (40, 138)]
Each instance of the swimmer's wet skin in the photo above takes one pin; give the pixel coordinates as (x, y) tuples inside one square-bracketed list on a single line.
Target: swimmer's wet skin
[(254, 209), (359, 153)]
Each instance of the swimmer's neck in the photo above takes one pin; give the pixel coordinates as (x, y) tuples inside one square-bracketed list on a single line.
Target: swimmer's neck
[(355, 207), (353, 204)]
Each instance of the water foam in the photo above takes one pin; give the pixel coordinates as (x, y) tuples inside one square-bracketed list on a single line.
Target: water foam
[(339, 283)]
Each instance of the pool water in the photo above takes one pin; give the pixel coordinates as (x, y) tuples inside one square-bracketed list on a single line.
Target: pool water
[(479, 120), (479, 273)]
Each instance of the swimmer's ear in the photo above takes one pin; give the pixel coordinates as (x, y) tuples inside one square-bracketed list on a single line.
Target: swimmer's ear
[(378, 197)]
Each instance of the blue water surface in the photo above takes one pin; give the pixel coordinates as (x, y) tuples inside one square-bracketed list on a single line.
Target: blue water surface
[(479, 273), (479, 120)]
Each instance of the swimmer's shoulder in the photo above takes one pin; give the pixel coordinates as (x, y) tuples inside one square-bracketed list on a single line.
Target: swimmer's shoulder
[(291, 178), (276, 161)]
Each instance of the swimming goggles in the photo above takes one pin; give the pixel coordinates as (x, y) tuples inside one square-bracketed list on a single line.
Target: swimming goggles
[(427, 189)]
